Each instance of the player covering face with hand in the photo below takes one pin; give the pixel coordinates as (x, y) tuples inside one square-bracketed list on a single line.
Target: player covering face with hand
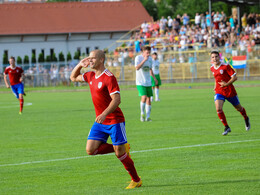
[(109, 120), (225, 76), (16, 77)]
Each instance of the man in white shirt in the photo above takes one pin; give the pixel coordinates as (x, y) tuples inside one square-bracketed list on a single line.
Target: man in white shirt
[(143, 65)]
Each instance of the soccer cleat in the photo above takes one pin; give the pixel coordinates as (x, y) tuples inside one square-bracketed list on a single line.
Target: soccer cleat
[(127, 149), (142, 118), (158, 100), (248, 125), (20, 113), (24, 94), (134, 184), (148, 119), (226, 130)]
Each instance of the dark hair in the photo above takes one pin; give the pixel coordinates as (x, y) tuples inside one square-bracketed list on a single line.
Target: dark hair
[(214, 52), (148, 48), (12, 57), (154, 53)]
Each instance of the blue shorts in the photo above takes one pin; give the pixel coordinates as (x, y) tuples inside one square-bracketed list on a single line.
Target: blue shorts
[(102, 132), (233, 100), (17, 89)]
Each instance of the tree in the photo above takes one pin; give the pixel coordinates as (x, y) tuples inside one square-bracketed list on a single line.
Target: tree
[(33, 58), (54, 58), (5, 59), (26, 59), (48, 58), (41, 57), (19, 60), (76, 55), (61, 57), (151, 8), (69, 56)]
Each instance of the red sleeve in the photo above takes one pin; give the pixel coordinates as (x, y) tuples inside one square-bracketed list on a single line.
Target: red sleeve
[(230, 71), (21, 70), (112, 85), (6, 71)]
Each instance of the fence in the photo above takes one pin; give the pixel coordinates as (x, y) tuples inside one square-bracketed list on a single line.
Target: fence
[(189, 65)]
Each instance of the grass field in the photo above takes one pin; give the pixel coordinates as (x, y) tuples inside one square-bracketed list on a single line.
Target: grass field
[(181, 151)]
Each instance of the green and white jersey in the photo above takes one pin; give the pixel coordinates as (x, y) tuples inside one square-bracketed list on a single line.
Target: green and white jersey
[(156, 65), (143, 74)]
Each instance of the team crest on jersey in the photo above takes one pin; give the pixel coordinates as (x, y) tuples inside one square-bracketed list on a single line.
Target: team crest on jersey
[(90, 82), (17, 70), (221, 71), (99, 85)]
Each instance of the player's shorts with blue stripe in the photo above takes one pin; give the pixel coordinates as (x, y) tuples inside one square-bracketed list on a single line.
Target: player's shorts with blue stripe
[(18, 89), (233, 100), (102, 132)]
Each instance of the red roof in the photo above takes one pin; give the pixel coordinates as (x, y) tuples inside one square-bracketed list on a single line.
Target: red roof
[(71, 17)]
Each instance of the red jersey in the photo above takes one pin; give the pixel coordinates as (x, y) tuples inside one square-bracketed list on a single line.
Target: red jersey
[(14, 74), (224, 73), (101, 88)]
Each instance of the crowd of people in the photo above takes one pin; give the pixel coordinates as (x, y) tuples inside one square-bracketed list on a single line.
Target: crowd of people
[(52, 75), (180, 34)]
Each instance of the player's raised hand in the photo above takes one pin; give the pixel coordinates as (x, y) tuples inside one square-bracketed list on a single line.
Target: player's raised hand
[(84, 62)]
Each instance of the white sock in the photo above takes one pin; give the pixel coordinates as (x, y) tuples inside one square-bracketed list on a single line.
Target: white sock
[(156, 93), (148, 110), (142, 106)]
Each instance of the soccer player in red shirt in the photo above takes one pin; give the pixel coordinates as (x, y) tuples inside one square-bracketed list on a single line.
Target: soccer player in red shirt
[(16, 77), (109, 120), (224, 90)]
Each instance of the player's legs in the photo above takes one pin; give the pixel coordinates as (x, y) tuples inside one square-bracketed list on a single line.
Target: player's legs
[(143, 94), (148, 106), (97, 138), (21, 92), (242, 111), (219, 102), (156, 91), (118, 137)]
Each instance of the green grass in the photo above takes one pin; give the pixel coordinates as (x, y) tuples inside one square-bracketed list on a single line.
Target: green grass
[(56, 126)]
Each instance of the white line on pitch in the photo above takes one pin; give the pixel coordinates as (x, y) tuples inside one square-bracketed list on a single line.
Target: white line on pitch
[(16, 105), (140, 151)]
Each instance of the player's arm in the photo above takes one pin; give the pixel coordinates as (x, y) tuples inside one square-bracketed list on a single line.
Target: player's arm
[(232, 80), (6, 82), (22, 77), (116, 100), (155, 80), (75, 74), (138, 66)]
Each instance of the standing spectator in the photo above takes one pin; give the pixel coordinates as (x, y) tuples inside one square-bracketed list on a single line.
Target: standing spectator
[(197, 20), (16, 77), (143, 65), (185, 19), (109, 120), (170, 20), (208, 19), (145, 27)]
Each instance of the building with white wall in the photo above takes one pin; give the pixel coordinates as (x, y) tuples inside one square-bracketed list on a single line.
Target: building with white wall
[(28, 28)]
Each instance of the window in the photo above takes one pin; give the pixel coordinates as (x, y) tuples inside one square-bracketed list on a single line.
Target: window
[(51, 52), (42, 51), (79, 51), (96, 47), (87, 50)]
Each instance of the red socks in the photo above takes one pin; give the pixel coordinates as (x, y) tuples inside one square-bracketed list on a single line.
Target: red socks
[(243, 113), (129, 166), (21, 105), (104, 149), (222, 117)]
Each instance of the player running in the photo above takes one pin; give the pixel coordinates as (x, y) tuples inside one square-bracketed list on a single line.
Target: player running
[(109, 120), (224, 90), (143, 65), (16, 77)]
